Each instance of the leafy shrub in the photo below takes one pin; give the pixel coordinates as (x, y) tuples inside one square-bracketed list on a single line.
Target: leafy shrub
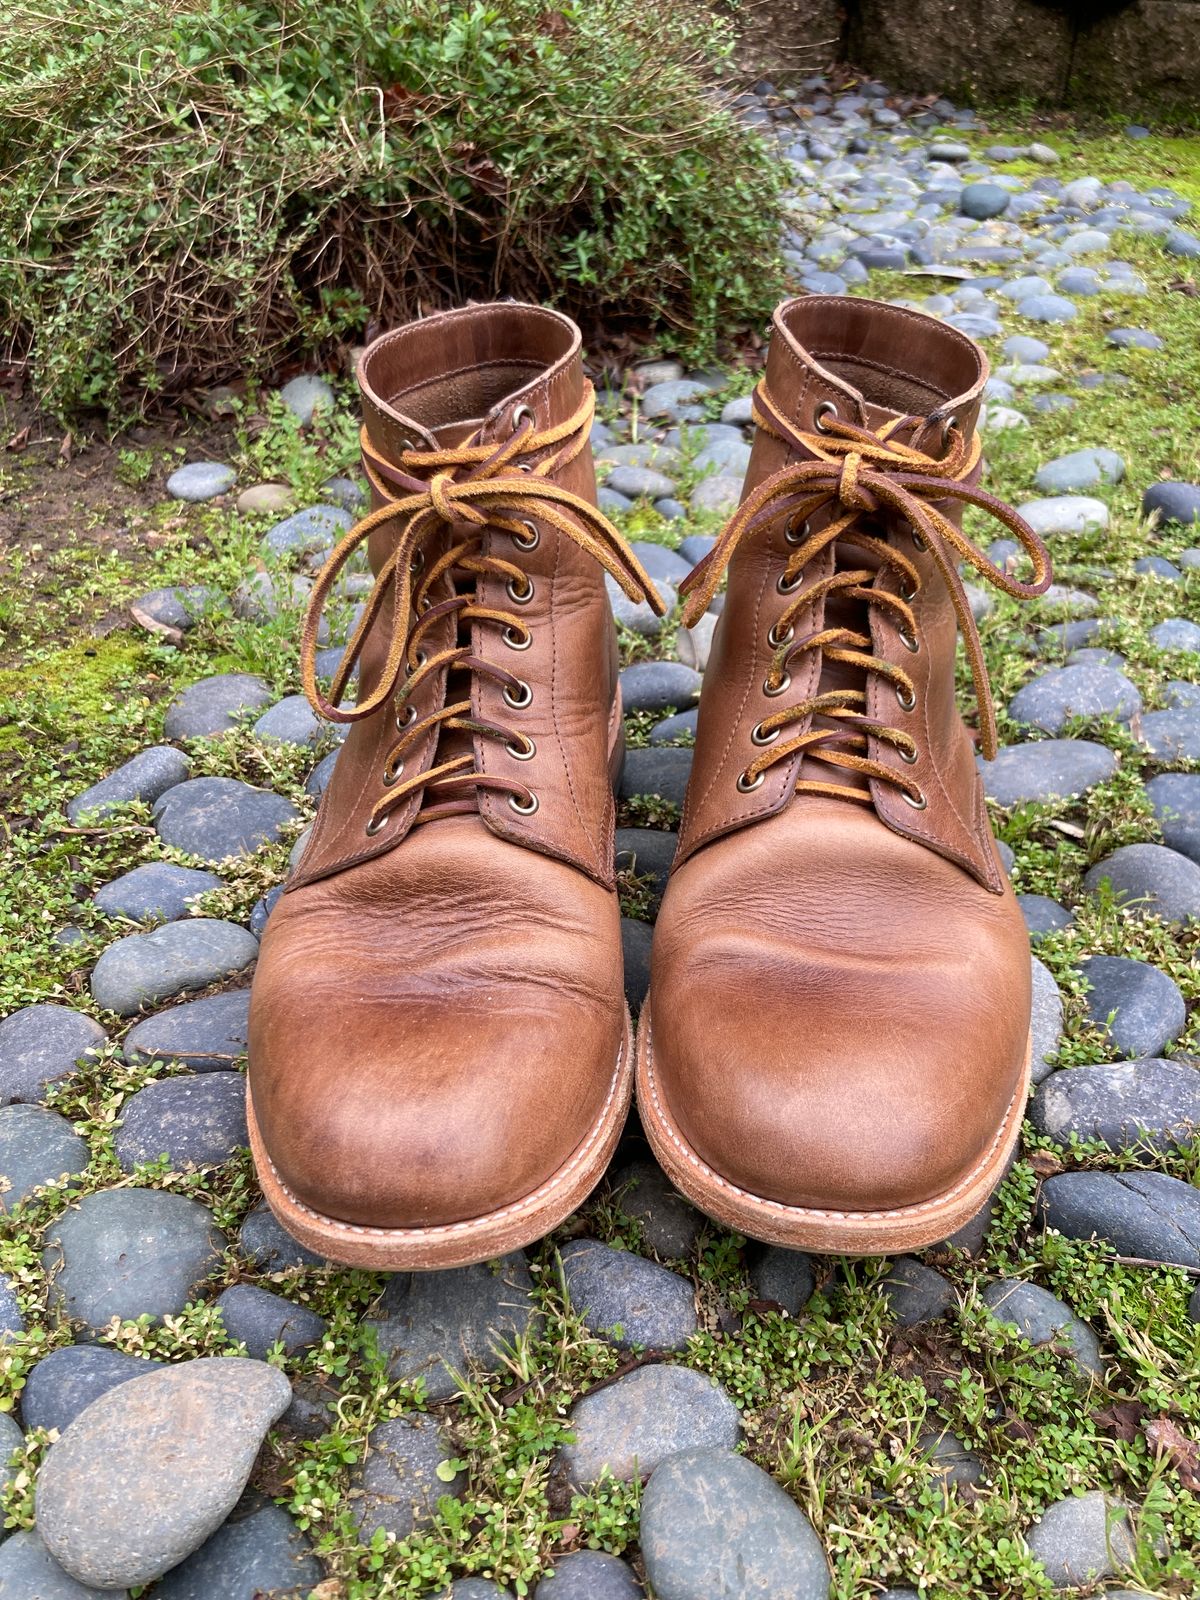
[(197, 188)]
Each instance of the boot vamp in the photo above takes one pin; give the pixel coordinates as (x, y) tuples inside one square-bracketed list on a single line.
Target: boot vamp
[(434, 1032), (840, 1016)]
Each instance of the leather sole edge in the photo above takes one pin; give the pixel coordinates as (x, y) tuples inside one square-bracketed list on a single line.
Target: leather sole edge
[(825, 1232), (456, 1244)]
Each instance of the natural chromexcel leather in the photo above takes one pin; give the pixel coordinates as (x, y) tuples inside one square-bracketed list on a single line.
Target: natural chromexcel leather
[(836, 1041), (437, 1028)]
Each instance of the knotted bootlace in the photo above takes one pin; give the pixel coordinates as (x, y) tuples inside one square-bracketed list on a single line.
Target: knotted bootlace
[(863, 475), (472, 488)]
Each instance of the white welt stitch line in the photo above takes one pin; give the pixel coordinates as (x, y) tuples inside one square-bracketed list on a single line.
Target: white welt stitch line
[(807, 1211), (455, 1229)]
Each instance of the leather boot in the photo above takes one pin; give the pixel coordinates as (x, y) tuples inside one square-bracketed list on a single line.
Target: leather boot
[(835, 1050), (440, 1060)]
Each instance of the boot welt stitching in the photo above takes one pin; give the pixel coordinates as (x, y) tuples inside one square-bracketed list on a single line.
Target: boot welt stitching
[(453, 1229), (701, 1166)]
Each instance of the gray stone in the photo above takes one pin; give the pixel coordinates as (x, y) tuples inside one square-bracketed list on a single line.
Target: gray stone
[(661, 456), (1023, 348), (1043, 915), (1081, 469), (345, 492), (145, 968), (201, 480), (11, 1440), (478, 1589), (261, 1320), (719, 494), (1176, 633), (916, 1294), (739, 412), (784, 1277), (640, 482), (263, 909), (1046, 1024), (266, 497), (675, 399), (1042, 1319), (65, 1382), (647, 852), (127, 1253), (588, 1575), (1129, 1105), (259, 1554), (658, 686), (11, 1320), (1133, 339), (1082, 1538), (1146, 1008), (696, 546), (41, 1045), (266, 1244), (1171, 735), (1066, 513), (1179, 694), (124, 1495), (1175, 797), (694, 644), (951, 1459), (1172, 502), (624, 1298), (1152, 880), (1049, 769), (264, 596), (146, 776), (671, 730), (438, 1325), (1048, 308), (660, 562), (670, 1225), (729, 457), (36, 1147), (214, 705), (305, 394), (636, 941), (29, 1572), (1178, 242), (716, 1524), (948, 150), (207, 1035), (1146, 1215), (610, 501), (159, 891), (193, 1121), (216, 818), (175, 607), (1056, 697), (1157, 567), (642, 1419), (292, 721), (661, 771), (397, 1487), (983, 200), (639, 617)]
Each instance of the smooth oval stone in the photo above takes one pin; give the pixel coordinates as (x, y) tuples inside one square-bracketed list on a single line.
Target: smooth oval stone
[(1043, 915), (622, 1297), (1152, 881), (1081, 469), (65, 1382), (216, 818), (214, 705), (1172, 502), (43, 1044), (1043, 1319), (1175, 797), (127, 1253), (145, 968), (658, 686), (682, 725), (1067, 513), (146, 776), (661, 771), (313, 528), (636, 941), (201, 480), (1048, 769), (647, 852), (1177, 633), (263, 909), (983, 200), (670, 1226), (1129, 1105), (915, 1293), (292, 721), (694, 644), (29, 1572), (1171, 735), (258, 1555), (660, 562), (716, 1524), (1133, 339), (126, 1494), (267, 1245), (1048, 308), (587, 1575), (1055, 697), (1146, 1215), (783, 1277), (157, 891), (639, 482), (12, 1323), (398, 1479), (1082, 1538), (1141, 1007), (639, 616), (260, 1320), (718, 494), (1046, 1020), (305, 395), (36, 1147), (266, 497), (207, 1035), (193, 1121), (646, 1416)]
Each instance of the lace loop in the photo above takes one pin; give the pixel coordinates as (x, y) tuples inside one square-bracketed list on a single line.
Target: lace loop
[(860, 473)]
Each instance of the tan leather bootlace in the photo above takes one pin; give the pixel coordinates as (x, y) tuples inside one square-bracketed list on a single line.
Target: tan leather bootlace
[(860, 474), (485, 486)]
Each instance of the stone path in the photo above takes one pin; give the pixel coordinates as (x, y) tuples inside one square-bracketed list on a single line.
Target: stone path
[(874, 191)]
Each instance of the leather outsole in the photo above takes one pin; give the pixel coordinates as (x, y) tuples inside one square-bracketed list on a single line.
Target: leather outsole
[(456, 1244), (825, 1232)]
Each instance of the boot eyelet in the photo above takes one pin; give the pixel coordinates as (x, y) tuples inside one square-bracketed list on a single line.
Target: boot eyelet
[(529, 540), (918, 541), (747, 785), (909, 641), (391, 775), (909, 757), (777, 640), (757, 735), (825, 409), (785, 684), (907, 591), (948, 428), (519, 597), (417, 564), (419, 661), (788, 585), (906, 701), (517, 699), (522, 752), (374, 826), (406, 718), (522, 414), (794, 534), (523, 810), (517, 638), (918, 801)]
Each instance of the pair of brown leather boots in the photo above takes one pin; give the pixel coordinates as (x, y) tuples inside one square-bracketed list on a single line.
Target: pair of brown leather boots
[(835, 1048)]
